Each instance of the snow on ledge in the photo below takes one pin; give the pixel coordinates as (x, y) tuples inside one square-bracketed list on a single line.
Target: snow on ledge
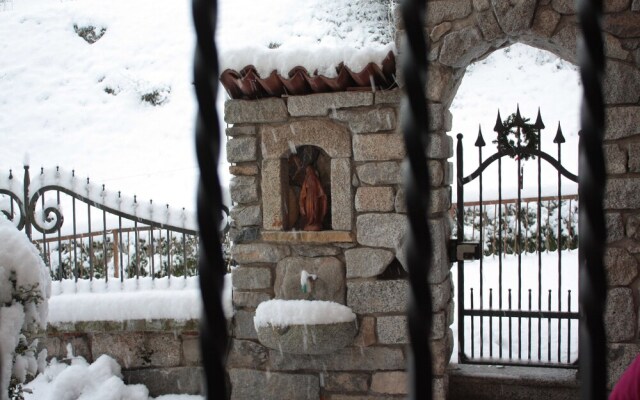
[(301, 312), (176, 298)]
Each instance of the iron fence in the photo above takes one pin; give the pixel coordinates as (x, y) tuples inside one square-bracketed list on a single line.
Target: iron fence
[(517, 310), (105, 235)]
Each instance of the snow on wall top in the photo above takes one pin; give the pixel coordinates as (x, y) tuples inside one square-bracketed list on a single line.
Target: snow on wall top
[(317, 35)]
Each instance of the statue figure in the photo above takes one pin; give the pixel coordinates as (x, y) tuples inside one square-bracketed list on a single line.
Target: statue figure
[(313, 201)]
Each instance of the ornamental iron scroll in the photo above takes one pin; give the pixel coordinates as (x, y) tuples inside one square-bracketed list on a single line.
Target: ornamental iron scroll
[(129, 233)]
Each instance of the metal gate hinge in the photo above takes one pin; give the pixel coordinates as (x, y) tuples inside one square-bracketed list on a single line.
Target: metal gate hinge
[(464, 251)]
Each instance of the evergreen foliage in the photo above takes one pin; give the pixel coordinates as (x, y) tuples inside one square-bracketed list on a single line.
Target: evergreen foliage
[(528, 242)]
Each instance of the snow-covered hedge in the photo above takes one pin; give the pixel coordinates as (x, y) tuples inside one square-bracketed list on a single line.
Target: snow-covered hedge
[(554, 214), (25, 287)]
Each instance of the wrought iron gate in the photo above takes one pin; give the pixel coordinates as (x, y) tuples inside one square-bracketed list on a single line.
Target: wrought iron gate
[(509, 322)]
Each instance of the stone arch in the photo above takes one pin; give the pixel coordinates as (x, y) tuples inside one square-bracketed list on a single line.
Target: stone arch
[(460, 32), (470, 31)]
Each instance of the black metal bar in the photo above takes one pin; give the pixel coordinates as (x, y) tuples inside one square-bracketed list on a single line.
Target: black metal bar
[(75, 244), (61, 273), (522, 314), (539, 126), (569, 327), (90, 240), (529, 331), (480, 143), (136, 248), (169, 254), (184, 254), (520, 124), (46, 259), (510, 330), (213, 327), (152, 252), (500, 250), (28, 212), (460, 239), (128, 254), (549, 329), (559, 140), (120, 247), (105, 251), (473, 331), (490, 324), (415, 120)]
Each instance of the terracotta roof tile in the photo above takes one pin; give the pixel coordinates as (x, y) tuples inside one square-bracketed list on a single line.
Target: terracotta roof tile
[(247, 84)]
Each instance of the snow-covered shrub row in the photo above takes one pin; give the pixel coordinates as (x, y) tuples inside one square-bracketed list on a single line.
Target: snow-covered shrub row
[(157, 257), (549, 223), (25, 287)]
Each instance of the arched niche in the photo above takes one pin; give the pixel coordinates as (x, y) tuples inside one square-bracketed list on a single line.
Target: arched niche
[(278, 144)]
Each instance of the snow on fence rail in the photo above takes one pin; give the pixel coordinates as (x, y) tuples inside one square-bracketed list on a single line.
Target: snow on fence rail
[(60, 213)]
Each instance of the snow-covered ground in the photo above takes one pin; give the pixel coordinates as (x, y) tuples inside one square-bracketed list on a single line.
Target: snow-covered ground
[(54, 85), (79, 106), (550, 281)]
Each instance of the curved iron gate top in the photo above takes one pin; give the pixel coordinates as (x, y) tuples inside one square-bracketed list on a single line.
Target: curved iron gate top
[(132, 239), (506, 312)]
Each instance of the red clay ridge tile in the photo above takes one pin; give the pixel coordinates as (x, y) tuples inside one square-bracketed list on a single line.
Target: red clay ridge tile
[(248, 85)]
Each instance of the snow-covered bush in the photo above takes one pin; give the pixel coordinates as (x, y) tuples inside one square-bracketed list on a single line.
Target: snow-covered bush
[(25, 287), (80, 380)]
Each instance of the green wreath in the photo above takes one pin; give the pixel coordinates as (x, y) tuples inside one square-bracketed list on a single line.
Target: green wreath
[(530, 139)]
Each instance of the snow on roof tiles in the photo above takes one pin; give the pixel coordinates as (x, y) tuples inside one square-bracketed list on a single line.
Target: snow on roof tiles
[(248, 84)]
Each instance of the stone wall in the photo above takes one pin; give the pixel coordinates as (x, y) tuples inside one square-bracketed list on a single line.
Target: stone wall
[(367, 236), (460, 32), (164, 355), (359, 260)]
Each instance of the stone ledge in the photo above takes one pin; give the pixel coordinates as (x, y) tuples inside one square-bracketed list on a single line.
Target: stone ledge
[(309, 237), (136, 325), (490, 382), (320, 104), (162, 381)]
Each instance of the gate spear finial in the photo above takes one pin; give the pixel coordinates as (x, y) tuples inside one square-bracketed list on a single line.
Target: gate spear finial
[(559, 136), (480, 140), (499, 127), (539, 124), (518, 121)]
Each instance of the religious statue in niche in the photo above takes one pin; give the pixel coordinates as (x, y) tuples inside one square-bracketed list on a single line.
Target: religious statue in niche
[(308, 200)]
